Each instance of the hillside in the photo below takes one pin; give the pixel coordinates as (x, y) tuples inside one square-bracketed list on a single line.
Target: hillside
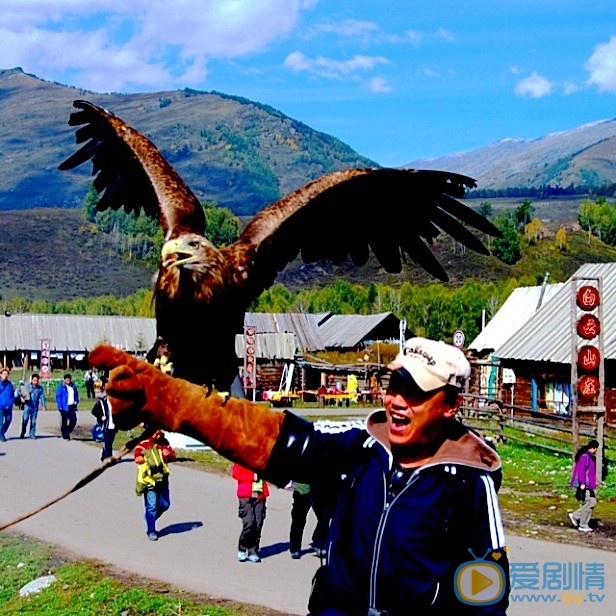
[(582, 156), (54, 254), (235, 152)]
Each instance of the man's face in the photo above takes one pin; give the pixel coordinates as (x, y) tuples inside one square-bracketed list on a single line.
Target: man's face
[(34, 380), (4, 375), (67, 380), (414, 417)]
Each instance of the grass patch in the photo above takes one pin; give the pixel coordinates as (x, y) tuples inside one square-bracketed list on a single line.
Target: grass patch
[(85, 587)]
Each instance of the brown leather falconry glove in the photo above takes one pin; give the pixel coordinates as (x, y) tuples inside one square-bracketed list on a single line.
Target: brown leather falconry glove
[(238, 429)]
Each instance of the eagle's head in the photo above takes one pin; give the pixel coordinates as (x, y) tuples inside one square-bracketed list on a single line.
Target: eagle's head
[(190, 265)]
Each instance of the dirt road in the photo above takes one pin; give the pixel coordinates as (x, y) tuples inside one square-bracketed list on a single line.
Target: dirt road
[(104, 521)]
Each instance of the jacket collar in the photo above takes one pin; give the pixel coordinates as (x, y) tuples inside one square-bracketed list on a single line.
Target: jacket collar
[(461, 446)]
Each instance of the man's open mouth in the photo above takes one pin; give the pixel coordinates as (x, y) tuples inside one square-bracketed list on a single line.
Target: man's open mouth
[(399, 420)]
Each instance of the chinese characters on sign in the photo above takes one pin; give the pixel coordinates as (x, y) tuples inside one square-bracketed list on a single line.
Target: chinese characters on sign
[(45, 359), (588, 327), (587, 298), (250, 368)]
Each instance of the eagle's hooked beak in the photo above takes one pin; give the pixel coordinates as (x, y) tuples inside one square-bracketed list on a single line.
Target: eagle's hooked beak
[(177, 252)]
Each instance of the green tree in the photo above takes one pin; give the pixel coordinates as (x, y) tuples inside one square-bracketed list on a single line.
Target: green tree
[(524, 213), (507, 247), (485, 209), (222, 226)]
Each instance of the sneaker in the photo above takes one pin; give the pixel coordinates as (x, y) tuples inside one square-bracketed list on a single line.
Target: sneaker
[(320, 552), (254, 558), (153, 536), (576, 523), (296, 555), (585, 529), (242, 556)]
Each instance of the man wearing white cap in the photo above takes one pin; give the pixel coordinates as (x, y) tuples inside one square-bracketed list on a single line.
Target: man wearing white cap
[(417, 527)]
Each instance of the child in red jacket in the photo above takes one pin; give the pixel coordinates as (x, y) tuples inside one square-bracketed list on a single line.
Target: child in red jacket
[(155, 491), (252, 493)]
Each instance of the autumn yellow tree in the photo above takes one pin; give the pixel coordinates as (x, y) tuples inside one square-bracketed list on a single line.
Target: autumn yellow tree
[(534, 231), (561, 239)]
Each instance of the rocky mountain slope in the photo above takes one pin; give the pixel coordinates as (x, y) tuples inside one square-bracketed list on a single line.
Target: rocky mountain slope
[(584, 156), (235, 152)]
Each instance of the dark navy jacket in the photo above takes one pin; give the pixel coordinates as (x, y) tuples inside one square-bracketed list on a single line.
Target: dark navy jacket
[(395, 553)]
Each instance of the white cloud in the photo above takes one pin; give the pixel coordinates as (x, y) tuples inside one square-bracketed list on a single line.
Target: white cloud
[(602, 66), (141, 43), (534, 86), (349, 28), (379, 85), (328, 67), (417, 38)]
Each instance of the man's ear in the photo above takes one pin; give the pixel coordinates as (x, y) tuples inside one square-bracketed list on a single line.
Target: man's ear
[(451, 411)]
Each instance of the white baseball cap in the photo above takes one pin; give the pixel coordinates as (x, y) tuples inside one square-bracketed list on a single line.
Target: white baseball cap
[(432, 364)]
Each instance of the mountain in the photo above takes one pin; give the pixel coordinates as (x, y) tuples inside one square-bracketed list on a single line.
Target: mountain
[(235, 152), (244, 155), (583, 156)]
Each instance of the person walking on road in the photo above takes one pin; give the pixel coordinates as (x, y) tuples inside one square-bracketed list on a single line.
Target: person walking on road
[(152, 456), (7, 399), (584, 479), (252, 492), (34, 400), (102, 412), (305, 497), (90, 378), (418, 509), (67, 399)]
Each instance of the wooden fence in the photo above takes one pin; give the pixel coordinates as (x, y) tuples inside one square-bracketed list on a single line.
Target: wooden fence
[(505, 422)]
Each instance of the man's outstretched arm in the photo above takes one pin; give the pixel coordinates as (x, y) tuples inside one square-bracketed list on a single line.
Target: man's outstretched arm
[(238, 429)]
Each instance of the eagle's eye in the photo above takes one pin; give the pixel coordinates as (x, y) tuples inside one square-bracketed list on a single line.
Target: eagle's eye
[(194, 244)]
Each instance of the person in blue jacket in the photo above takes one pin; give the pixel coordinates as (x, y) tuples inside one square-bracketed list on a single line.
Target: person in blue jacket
[(416, 527), (7, 399), (67, 399), (36, 398)]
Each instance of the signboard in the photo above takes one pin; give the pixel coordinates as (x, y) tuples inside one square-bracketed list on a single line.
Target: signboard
[(250, 364), (458, 338), (45, 370), (587, 355), (508, 376)]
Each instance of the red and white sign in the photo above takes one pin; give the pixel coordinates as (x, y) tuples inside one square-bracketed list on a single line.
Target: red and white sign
[(458, 338), (588, 327), (45, 359), (587, 298), (589, 358)]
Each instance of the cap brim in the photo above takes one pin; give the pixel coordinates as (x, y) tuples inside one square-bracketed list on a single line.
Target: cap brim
[(418, 374)]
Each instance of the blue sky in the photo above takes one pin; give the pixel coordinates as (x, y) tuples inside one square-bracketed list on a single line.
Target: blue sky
[(397, 80)]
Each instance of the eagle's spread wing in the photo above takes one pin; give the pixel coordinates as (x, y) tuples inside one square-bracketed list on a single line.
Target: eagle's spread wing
[(132, 172), (391, 212)]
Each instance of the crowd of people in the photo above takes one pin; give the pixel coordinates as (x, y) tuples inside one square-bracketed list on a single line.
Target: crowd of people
[(410, 481)]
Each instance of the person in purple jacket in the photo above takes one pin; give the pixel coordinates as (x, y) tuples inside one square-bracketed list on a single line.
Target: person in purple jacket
[(584, 476)]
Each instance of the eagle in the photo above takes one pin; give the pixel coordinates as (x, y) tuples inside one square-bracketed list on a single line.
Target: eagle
[(202, 292)]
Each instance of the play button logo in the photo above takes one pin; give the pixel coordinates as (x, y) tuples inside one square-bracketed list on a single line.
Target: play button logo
[(479, 582)]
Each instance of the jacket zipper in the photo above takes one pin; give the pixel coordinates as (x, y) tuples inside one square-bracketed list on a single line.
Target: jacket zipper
[(379, 533)]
